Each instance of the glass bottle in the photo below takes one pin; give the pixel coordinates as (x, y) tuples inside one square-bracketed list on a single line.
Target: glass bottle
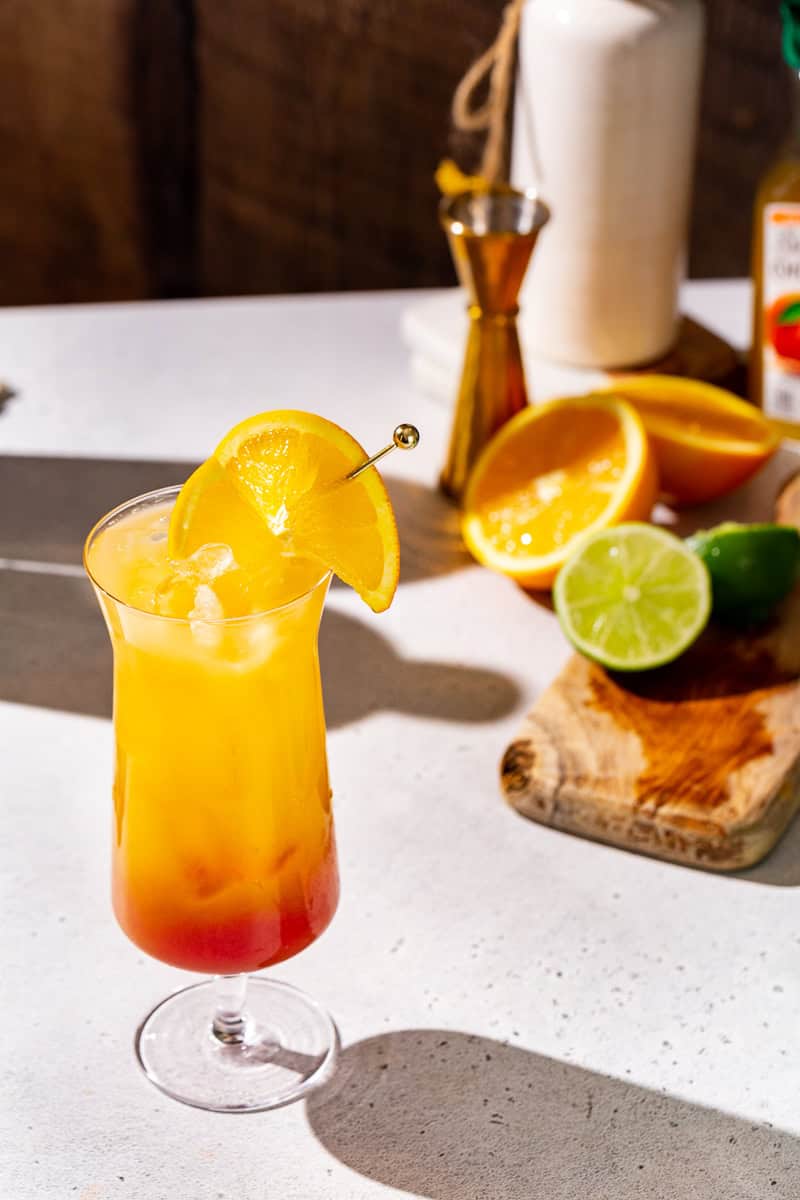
[(775, 358), (604, 128)]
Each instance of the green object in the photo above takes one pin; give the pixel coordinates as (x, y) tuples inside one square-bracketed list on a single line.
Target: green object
[(790, 15), (790, 315), (752, 567), (632, 597)]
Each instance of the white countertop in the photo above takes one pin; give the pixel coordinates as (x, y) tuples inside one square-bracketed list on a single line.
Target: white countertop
[(523, 1014)]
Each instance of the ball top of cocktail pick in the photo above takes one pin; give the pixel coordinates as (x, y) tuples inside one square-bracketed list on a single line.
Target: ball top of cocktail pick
[(406, 437)]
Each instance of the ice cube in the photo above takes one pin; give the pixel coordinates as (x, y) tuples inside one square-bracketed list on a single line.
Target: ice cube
[(160, 528), (207, 609), (209, 561), (176, 594), (207, 605)]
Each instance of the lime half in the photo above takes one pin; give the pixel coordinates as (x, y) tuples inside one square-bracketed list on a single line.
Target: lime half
[(752, 567), (632, 597)]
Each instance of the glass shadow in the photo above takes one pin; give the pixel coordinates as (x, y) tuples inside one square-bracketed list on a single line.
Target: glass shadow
[(449, 1115), (54, 650)]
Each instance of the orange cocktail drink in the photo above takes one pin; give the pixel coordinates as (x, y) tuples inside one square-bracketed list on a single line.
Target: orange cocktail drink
[(223, 850)]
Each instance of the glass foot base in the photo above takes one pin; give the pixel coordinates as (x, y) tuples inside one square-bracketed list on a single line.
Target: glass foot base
[(289, 1048)]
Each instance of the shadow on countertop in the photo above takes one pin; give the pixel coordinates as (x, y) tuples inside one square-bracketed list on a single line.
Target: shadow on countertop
[(48, 504), (54, 649), (781, 867), (428, 524), (451, 1116), (362, 673)]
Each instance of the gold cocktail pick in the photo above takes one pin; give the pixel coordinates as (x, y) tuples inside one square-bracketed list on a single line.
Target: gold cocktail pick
[(405, 437)]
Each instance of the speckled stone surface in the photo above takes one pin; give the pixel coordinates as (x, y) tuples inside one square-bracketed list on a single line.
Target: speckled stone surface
[(523, 1014)]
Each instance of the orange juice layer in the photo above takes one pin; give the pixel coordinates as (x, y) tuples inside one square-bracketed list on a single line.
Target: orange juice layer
[(224, 857)]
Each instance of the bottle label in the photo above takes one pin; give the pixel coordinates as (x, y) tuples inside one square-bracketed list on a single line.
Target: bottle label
[(781, 315)]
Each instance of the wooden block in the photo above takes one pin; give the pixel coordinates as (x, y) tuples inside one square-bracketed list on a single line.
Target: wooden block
[(698, 353)]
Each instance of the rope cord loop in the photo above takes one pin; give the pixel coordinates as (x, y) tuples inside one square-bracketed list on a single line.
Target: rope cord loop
[(497, 63)]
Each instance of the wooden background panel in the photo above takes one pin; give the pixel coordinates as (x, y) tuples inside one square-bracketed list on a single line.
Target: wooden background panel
[(745, 111), (70, 225), (162, 85), (321, 124), (183, 147), (323, 121)]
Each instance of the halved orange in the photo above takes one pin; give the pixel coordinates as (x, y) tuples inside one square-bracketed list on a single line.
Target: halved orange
[(706, 440), (276, 486), (554, 472)]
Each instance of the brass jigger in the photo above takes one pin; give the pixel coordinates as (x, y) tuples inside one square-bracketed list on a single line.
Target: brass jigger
[(492, 234), (405, 437)]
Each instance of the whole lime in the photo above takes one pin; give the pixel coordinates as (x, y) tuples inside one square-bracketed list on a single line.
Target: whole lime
[(752, 567)]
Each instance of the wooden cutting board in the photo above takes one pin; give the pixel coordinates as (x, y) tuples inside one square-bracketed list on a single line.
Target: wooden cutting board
[(697, 762)]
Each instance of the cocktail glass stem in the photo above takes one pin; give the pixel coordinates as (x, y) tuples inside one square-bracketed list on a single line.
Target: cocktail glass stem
[(228, 1025)]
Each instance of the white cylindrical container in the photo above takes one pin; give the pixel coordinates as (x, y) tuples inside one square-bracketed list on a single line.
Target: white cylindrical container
[(604, 127)]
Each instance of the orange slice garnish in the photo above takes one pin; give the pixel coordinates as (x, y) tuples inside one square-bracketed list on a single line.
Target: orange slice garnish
[(275, 486)]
